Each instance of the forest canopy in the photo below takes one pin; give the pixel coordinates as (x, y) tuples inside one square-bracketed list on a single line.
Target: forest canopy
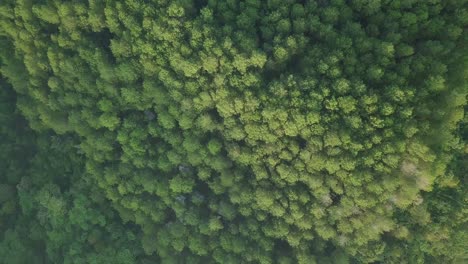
[(233, 131)]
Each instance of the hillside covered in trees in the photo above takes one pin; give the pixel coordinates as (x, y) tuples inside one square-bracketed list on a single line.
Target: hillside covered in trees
[(233, 131)]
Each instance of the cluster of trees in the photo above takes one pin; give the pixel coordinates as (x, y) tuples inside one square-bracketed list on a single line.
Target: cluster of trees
[(233, 131)]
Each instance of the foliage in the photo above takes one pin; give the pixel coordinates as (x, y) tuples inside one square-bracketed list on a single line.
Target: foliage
[(233, 131)]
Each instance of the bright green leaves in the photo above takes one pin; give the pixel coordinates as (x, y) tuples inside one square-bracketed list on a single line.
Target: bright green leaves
[(280, 54), (46, 13), (375, 73), (184, 66), (264, 199), (181, 184), (105, 105), (210, 64), (175, 10), (214, 146), (332, 140), (404, 50), (347, 104), (109, 120), (215, 224), (244, 131)]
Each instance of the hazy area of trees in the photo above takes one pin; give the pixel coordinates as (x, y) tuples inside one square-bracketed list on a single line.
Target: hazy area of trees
[(233, 131)]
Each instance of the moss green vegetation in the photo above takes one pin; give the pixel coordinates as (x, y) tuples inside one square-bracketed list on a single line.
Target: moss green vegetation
[(233, 131)]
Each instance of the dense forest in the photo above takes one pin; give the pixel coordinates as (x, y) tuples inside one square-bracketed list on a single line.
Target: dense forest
[(233, 131)]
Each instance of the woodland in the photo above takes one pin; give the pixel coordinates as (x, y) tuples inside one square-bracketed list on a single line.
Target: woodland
[(233, 131)]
